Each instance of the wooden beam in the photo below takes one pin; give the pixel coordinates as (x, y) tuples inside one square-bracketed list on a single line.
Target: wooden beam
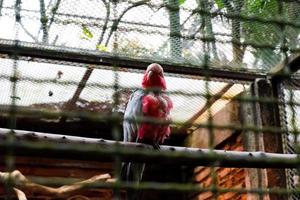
[(287, 68), (266, 116), (38, 51), (61, 146), (208, 104)]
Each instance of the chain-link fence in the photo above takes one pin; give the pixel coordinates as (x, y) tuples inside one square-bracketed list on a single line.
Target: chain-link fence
[(69, 68)]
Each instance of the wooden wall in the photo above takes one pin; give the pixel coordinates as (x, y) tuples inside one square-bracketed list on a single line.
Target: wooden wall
[(225, 177)]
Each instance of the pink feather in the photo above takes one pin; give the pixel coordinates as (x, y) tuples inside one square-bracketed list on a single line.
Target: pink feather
[(155, 106)]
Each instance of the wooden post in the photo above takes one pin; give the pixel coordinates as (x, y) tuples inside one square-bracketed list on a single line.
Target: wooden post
[(272, 142)]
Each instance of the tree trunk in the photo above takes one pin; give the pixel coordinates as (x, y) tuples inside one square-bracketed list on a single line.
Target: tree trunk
[(175, 34)]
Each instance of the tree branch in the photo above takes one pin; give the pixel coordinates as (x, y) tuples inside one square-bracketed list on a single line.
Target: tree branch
[(70, 147), (89, 71), (27, 32), (54, 11), (20, 194), (21, 183), (117, 21), (44, 21), (107, 6)]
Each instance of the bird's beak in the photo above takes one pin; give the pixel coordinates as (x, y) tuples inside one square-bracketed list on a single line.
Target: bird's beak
[(149, 75)]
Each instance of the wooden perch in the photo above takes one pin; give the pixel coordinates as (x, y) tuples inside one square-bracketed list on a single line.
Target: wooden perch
[(71, 147), (21, 184)]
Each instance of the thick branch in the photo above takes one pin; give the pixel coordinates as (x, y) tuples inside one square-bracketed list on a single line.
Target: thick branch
[(71, 147), (20, 194), (78, 91), (44, 21), (20, 182)]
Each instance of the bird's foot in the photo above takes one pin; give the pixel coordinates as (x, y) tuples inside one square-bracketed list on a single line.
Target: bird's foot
[(156, 146)]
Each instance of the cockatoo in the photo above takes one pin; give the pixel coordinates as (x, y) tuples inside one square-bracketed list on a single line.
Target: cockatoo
[(149, 101)]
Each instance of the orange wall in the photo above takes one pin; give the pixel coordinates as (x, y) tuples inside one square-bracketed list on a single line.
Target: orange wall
[(226, 177)]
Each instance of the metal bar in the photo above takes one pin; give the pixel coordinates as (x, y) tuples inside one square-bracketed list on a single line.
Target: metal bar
[(61, 146), (92, 57)]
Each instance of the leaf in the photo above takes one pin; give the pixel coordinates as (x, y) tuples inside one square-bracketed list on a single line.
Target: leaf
[(83, 37), (255, 6), (181, 2), (220, 4), (102, 47), (87, 34)]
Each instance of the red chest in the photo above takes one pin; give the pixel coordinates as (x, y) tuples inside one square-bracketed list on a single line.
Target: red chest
[(155, 105)]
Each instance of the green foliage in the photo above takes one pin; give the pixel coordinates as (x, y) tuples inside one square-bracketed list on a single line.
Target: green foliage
[(181, 2), (266, 8), (102, 47), (256, 32), (86, 33), (264, 33), (256, 5), (220, 3)]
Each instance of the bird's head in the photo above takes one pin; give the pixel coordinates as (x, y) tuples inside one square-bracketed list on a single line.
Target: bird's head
[(154, 77)]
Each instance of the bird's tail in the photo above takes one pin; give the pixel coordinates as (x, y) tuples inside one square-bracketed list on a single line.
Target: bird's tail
[(133, 172)]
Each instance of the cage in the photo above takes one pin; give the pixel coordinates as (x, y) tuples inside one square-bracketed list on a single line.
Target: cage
[(69, 68)]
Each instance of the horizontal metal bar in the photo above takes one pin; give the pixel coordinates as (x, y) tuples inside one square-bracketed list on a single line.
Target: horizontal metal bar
[(17, 48), (62, 146)]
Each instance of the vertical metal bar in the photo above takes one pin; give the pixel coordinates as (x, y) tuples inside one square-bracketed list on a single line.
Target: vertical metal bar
[(117, 137), (10, 140), (115, 128), (211, 143)]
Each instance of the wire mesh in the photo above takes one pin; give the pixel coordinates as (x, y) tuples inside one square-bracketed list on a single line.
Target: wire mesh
[(68, 69)]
